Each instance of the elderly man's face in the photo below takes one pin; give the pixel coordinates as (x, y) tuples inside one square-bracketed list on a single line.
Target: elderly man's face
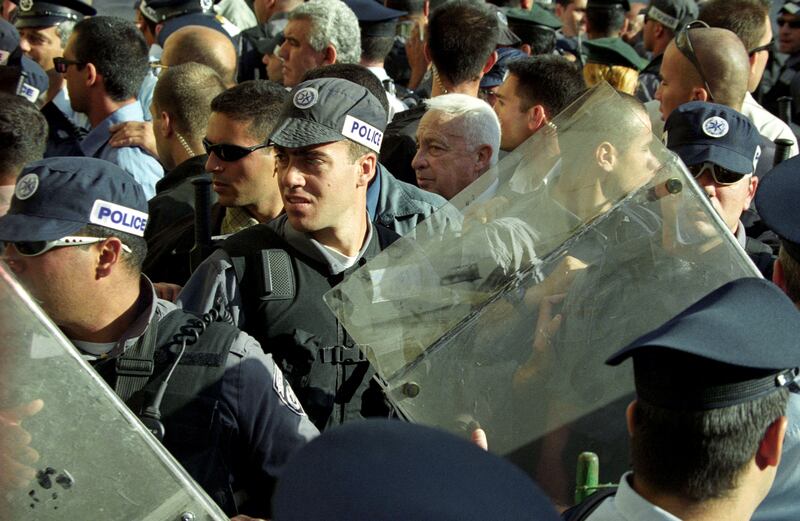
[(729, 200), (41, 44), (297, 54), (445, 163)]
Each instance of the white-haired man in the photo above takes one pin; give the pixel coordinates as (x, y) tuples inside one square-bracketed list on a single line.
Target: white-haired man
[(319, 32), (458, 140)]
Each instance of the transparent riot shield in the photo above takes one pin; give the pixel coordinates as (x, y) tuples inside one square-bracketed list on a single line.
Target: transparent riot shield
[(69, 448), (587, 236)]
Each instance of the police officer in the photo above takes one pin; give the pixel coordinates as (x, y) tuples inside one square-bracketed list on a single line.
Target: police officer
[(788, 82), (536, 28), (612, 60), (378, 26), (74, 237), (44, 30), (272, 276), (722, 149), (19, 74), (709, 417)]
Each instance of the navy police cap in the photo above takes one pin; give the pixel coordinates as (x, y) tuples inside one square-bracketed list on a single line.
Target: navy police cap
[(330, 109), (37, 13), (9, 37), (699, 131), (499, 71), (777, 203), (16, 65), (160, 10), (373, 18), (673, 14), (713, 354), (385, 470), (58, 196), (605, 4)]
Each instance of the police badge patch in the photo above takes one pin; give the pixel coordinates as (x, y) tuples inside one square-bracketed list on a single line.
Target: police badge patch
[(26, 187), (305, 98), (25, 5), (286, 393), (715, 127)]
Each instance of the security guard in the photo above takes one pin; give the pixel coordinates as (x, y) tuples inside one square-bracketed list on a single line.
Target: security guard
[(19, 74), (272, 277), (74, 237), (709, 417)]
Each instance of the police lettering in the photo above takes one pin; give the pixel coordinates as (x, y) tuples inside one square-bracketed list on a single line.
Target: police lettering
[(125, 219), (366, 132)]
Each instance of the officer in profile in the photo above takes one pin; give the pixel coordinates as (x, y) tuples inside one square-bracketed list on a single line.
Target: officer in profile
[(708, 447), (74, 238), (721, 148), (272, 276)]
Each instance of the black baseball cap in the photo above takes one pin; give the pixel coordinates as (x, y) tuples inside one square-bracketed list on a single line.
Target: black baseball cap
[(606, 4), (327, 110), (713, 354), (613, 51), (373, 18), (58, 196), (673, 14)]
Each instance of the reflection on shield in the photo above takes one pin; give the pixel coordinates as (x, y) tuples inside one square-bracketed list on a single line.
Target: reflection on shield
[(95, 459), (588, 235)]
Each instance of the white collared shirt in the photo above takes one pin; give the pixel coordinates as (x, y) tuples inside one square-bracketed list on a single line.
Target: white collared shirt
[(627, 505)]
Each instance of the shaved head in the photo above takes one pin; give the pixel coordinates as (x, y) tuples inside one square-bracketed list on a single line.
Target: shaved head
[(209, 47), (725, 65)]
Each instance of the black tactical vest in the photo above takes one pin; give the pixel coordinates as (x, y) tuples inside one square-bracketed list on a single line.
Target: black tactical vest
[(283, 308)]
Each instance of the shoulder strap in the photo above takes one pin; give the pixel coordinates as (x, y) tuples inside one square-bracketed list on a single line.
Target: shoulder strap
[(585, 508), (135, 367)]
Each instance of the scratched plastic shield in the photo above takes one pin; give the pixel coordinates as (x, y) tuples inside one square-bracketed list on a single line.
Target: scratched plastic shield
[(588, 235), (95, 459)]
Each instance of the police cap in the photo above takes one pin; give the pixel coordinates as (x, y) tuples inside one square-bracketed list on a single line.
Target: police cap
[(536, 15), (790, 8), (201, 19), (613, 51), (58, 196), (505, 36), (160, 10), (498, 72), (719, 352), (386, 470), (374, 19), (606, 4), (672, 14), (777, 204), (37, 13), (699, 131), (15, 65), (330, 109)]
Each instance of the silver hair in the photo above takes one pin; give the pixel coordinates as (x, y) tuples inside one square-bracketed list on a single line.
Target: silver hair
[(480, 123), (332, 22), (64, 31)]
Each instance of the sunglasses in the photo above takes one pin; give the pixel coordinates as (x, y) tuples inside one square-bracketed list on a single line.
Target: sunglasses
[(228, 152), (793, 24), (722, 176), (684, 44), (61, 64), (34, 248), (766, 47)]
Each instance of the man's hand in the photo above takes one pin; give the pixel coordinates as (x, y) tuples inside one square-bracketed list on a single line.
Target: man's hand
[(479, 438), (415, 51), (242, 517), (15, 454), (546, 327), (134, 134)]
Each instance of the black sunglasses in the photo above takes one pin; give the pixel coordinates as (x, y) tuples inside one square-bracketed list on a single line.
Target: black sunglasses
[(722, 176), (61, 64), (228, 152), (793, 24), (684, 44), (766, 47)]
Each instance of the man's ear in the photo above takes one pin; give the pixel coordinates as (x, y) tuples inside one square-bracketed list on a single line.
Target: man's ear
[(526, 4), (484, 159), (625, 25), (158, 29), (165, 128), (490, 63), (526, 49), (92, 76), (536, 118), (109, 253), (367, 168), (778, 276), (751, 191), (769, 450), (630, 416), (606, 156), (329, 55), (700, 94)]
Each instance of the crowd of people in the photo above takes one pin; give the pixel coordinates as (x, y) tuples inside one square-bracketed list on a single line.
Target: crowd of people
[(242, 159)]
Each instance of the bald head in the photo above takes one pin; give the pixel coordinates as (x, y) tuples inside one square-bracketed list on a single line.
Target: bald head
[(202, 45), (725, 65)]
